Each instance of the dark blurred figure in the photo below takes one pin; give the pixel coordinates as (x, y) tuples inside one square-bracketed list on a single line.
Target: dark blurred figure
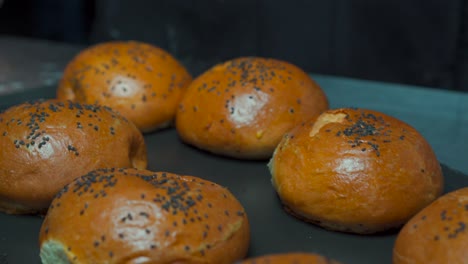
[(200, 33), (65, 21), (421, 42), (61, 20)]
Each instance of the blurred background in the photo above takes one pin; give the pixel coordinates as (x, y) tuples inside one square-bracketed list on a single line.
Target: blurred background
[(418, 42)]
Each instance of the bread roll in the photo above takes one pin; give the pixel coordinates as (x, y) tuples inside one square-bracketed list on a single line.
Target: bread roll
[(142, 82), (355, 170), (242, 108), (45, 145), (437, 234), (138, 216), (290, 258)]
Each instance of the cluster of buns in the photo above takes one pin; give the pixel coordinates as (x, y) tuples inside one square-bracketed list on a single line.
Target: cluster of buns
[(349, 170), (240, 108), (362, 171)]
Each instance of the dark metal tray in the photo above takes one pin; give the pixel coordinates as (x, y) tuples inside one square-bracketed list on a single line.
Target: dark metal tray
[(272, 229)]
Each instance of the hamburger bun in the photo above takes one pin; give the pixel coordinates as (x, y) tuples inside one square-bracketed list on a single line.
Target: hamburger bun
[(45, 145), (290, 258), (138, 216), (437, 234), (142, 82), (355, 170), (242, 108)]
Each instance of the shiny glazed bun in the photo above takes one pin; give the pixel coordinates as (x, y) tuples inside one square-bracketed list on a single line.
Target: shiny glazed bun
[(45, 145), (290, 258), (142, 82), (437, 234), (355, 170), (138, 216), (242, 108)]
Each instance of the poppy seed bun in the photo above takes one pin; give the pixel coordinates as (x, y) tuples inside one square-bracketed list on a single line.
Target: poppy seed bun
[(138, 216), (437, 234), (355, 170), (45, 145), (142, 82), (290, 258), (242, 108)]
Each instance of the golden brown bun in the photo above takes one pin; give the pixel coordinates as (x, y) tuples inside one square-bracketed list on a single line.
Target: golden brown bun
[(437, 234), (45, 145), (242, 108), (355, 170), (142, 82), (290, 258), (138, 216)]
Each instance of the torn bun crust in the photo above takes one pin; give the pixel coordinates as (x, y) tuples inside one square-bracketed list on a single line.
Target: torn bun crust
[(355, 170)]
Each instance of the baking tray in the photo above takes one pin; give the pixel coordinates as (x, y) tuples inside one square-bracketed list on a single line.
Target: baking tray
[(272, 229)]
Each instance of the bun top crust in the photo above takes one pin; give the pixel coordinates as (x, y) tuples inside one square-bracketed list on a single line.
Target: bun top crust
[(290, 258), (356, 170), (137, 216), (46, 144), (437, 234), (142, 82), (241, 108)]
